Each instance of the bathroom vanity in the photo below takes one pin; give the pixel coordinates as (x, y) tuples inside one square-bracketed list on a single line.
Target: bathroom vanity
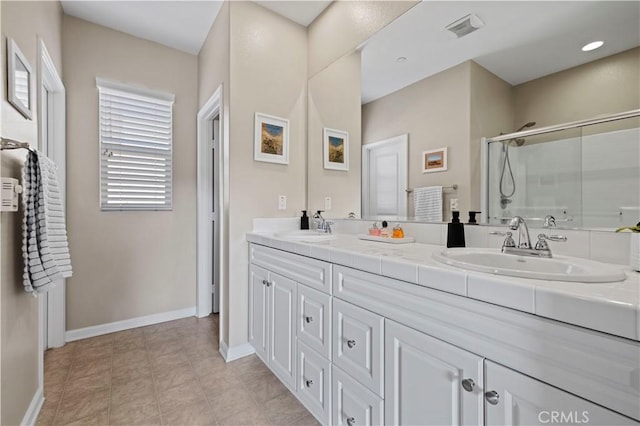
[(366, 333)]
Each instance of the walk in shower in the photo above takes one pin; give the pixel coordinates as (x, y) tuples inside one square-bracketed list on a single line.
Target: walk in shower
[(586, 174)]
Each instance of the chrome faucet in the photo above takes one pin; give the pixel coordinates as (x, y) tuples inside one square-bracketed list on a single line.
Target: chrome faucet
[(549, 222), (523, 247), (322, 226)]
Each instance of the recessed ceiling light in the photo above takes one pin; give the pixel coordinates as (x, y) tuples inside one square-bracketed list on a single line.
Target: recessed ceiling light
[(401, 59), (592, 46)]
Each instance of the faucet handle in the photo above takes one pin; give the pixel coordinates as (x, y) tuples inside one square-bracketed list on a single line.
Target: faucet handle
[(549, 222), (508, 241), (558, 238)]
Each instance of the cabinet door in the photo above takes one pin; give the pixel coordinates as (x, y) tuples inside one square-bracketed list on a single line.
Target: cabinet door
[(424, 380), (314, 319), (515, 399), (282, 313), (314, 383), (352, 403), (358, 344), (259, 311)]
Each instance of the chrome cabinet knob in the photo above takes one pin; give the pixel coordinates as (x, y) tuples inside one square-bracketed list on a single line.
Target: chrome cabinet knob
[(351, 343), (308, 383), (265, 282), (351, 421), (268, 283), (308, 319), (492, 397), (468, 385)]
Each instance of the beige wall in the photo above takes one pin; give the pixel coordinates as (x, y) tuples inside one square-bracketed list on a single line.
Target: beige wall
[(335, 102), (23, 21), (435, 113), (213, 71), (126, 264), (346, 24), (268, 73), (605, 86)]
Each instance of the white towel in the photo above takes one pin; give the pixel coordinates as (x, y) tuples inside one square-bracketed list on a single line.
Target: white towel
[(45, 249), (427, 203)]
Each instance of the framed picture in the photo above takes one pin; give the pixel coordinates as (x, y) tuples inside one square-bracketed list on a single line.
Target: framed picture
[(336, 149), (19, 80), (271, 140), (434, 160)]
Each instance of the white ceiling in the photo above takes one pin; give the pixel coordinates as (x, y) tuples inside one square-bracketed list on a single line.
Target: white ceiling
[(181, 24), (521, 40)]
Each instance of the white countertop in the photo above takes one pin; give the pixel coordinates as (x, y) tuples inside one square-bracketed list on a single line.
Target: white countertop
[(612, 308)]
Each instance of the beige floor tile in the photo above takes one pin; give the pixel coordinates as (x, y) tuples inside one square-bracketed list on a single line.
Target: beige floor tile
[(54, 380), (132, 344), (249, 417), (209, 366), (180, 396), (53, 359), (174, 376), (99, 380), (126, 335), (123, 373), (135, 356), (135, 412), (193, 415), (104, 340), (93, 352), (307, 420), (165, 348), (135, 389), (230, 399), (86, 367), (264, 386), (284, 409), (249, 366), (47, 413), (97, 419), (78, 405), (168, 361)]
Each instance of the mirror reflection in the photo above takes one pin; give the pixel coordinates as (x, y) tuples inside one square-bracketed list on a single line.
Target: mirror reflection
[(517, 65), (19, 80)]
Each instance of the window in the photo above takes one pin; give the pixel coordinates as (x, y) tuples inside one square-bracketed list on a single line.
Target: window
[(135, 148)]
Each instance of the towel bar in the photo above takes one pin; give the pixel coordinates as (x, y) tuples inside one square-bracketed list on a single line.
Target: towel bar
[(454, 187), (6, 143)]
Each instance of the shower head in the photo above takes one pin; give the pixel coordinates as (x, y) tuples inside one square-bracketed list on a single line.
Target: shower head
[(520, 141)]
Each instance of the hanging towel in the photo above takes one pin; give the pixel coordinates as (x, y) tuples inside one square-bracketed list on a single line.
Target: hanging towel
[(45, 249), (427, 203)]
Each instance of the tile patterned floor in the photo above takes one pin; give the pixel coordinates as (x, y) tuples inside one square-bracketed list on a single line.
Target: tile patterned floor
[(164, 374)]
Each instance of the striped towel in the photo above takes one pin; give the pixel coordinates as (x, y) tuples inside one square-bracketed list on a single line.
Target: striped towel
[(427, 203), (45, 249)]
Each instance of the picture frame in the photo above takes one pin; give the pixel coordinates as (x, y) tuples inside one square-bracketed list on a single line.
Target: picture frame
[(271, 139), (434, 160), (336, 149), (20, 80)]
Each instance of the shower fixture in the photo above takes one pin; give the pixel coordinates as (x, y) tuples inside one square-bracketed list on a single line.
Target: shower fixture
[(505, 196)]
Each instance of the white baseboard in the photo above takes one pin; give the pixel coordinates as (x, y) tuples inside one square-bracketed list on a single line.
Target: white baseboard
[(235, 352), (31, 415), (97, 330)]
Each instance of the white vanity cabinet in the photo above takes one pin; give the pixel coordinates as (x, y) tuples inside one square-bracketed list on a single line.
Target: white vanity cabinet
[(428, 381), (272, 326)]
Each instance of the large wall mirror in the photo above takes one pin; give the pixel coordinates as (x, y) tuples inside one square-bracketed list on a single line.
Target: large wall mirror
[(448, 73)]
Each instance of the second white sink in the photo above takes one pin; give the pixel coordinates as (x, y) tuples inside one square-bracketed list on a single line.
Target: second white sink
[(305, 236), (558, 268)]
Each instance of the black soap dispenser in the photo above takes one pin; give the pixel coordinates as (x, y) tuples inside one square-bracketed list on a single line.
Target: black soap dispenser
[(455, 231), (304, 220)]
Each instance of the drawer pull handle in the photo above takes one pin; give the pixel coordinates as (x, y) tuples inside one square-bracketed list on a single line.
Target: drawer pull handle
[(468, 385), (492, 397), (351, 344), (308, 383), (268, 283), (265, 282), (351, 421), (308, 319)]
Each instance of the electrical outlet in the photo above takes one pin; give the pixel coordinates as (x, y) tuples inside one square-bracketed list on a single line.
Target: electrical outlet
[(453, 204), (282, 202), (327, 203)]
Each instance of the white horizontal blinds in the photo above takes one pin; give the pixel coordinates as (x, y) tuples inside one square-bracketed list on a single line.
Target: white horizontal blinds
[(135, 151)]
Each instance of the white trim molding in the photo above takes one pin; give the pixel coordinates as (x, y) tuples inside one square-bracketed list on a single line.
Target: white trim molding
[(31, 415), (112, 327), (235, 352)]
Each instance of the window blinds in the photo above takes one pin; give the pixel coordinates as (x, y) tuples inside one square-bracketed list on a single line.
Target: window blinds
[(135, 149)]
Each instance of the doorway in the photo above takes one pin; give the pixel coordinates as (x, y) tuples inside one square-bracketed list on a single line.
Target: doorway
[(209, 226), (385, 177)]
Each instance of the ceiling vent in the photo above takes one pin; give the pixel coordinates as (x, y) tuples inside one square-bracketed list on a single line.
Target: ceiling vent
[(466, 25)]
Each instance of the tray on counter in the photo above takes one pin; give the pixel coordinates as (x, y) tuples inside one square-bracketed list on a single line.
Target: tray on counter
[(388, 240)]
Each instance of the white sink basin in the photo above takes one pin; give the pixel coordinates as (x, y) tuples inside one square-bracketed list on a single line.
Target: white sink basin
[(559, 268), (305, 236)]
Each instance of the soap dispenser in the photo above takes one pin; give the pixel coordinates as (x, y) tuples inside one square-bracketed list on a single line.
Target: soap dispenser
[(455, 231), (304, 220)]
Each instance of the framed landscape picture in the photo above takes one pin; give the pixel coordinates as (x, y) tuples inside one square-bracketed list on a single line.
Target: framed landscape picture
[(271, 139), (434, 160), (336, 149)]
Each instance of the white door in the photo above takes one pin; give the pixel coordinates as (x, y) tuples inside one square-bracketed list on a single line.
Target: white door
[(511, 398), (428, 381), (385, 177), (282, 313), (259, 311)]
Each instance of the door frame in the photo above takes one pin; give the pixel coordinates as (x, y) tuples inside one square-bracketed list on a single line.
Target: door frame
[(403, 184), (204, 231)]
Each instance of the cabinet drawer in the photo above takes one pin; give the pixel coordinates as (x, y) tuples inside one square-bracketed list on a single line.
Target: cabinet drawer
[(353, 404), (314, 383), (314, 320), (358, 344), (312, 272)]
